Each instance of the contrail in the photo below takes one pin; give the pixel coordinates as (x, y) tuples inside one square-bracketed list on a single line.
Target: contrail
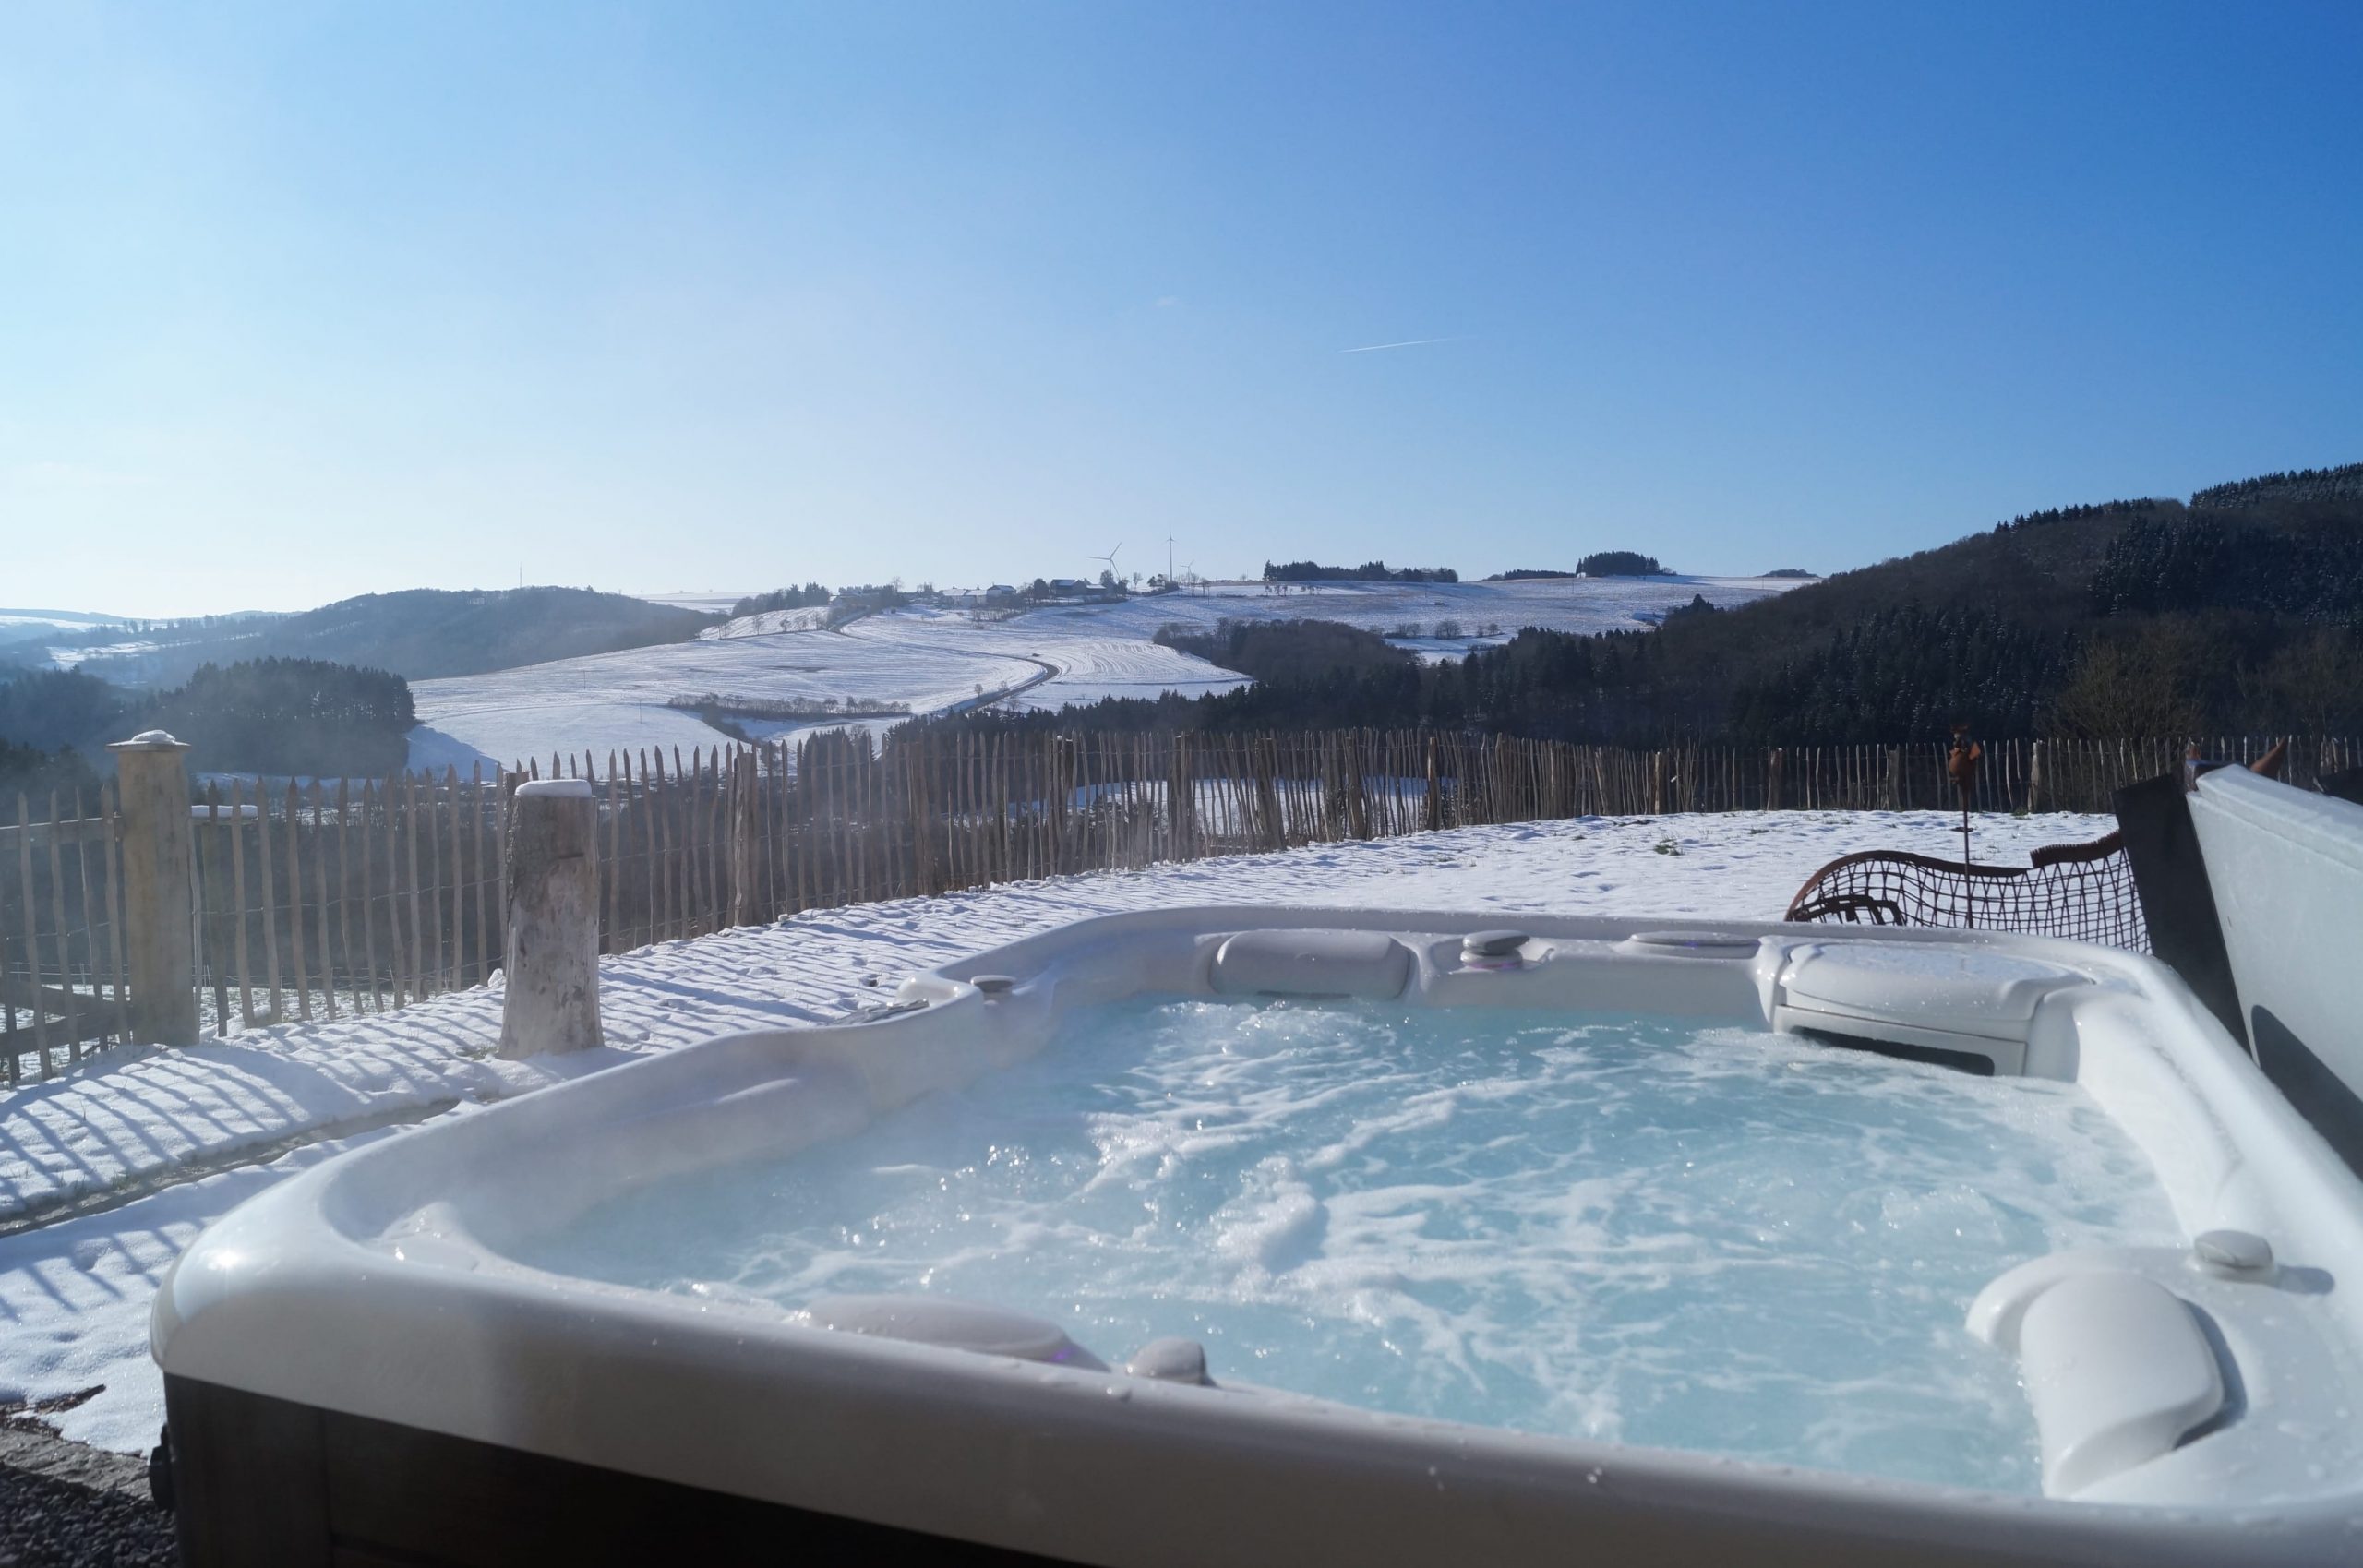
[(1407, 343)]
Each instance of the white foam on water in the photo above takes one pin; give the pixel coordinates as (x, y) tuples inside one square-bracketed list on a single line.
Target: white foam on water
[(1631, 1230)]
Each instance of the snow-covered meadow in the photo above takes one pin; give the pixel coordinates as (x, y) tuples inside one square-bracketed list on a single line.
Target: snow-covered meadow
[(107, 1174), (932, 659)]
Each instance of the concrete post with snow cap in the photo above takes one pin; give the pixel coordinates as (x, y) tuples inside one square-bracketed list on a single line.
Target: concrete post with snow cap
[(550, 961)]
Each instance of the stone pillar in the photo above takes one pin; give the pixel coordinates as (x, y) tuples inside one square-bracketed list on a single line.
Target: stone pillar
[(550, 959), (158, 889)]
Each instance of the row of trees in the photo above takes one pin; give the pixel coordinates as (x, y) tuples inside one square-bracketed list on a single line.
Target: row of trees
[(811, 594), (1369, 571), (1909, 673)]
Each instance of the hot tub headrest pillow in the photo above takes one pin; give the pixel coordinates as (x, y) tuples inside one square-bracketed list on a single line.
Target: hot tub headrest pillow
[(1312, 963)]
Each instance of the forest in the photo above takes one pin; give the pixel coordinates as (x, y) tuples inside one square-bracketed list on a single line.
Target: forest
[(2241, 612), (272, 715)]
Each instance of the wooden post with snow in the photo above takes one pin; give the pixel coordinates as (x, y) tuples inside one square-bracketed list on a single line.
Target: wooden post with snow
[(550, 956), (159, 887)]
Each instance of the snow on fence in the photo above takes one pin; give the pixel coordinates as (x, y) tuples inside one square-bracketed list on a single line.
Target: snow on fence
[(311, 900)]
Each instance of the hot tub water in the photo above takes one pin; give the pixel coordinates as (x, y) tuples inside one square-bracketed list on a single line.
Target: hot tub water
[(1633, 1230)]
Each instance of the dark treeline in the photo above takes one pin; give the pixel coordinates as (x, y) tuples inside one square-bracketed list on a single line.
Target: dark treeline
[(2198, 562), (2304, 484), (1369, 571), (1620, 563), (811, 593), (259, 715), (288, 716), (44, 709), (2127, 619), (1286, 651), (37, 775)]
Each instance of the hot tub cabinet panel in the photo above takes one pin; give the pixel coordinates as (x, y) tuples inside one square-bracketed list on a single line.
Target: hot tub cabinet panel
[(273, 1484), (359, 1370)]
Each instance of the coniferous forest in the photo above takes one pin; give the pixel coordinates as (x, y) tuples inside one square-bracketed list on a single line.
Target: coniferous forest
[(277, 716), (2239, 612)]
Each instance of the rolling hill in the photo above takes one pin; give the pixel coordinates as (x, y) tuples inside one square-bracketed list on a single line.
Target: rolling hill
[(2237, 611), (419, 633)]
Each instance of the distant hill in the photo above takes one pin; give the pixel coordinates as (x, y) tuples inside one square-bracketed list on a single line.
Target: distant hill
[(2136, 616), (2239, 612), (421, 633)]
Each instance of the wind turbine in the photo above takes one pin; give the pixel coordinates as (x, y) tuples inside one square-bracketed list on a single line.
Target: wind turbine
[(1110, 558)]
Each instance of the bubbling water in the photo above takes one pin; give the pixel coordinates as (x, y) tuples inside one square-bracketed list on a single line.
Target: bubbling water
[(1627, 1228)]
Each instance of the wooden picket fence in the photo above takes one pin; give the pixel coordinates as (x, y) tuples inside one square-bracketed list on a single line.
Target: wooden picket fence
[(61, 987), (315, 901)]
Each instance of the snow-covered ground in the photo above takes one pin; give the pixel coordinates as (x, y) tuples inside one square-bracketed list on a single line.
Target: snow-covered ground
[(1082, 662), (1582, 605), (770, 623), (74, 1293), (617, 700), (932, 659)]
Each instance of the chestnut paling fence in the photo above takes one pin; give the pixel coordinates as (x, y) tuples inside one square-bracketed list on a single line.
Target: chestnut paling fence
[(313, 901)]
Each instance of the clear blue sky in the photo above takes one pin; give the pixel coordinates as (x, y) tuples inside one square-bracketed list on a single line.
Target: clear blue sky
[(309, 300)]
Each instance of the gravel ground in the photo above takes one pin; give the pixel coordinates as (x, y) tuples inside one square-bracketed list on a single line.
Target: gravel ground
[(67, 1505)]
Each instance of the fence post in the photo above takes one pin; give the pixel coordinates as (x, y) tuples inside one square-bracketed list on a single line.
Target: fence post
[(159, 887), (745, 861), (2034, 777), (550, 960)]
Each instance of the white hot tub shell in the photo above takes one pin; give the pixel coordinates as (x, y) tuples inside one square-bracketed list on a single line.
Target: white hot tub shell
[(2196, 1403)]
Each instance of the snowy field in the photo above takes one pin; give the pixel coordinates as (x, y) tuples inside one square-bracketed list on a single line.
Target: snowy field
[(618, 700), (1579, 604), (933, 660), (145, 1152)]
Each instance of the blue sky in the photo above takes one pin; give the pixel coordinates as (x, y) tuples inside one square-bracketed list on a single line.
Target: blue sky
[(310, 299)]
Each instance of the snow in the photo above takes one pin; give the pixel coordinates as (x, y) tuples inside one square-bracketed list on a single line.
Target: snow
[(770, 623), (616, 700), (74, 1293), (1081, 663), (1577, 604), (934, 660)]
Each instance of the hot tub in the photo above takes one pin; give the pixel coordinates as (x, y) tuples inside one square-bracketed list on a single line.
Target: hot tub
[(1280, 1236)]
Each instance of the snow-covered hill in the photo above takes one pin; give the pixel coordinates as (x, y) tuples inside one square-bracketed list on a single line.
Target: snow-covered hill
[(933, 659)]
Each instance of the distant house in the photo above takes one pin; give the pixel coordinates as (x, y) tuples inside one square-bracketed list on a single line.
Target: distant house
[(1064, 585), (1001, 590)]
